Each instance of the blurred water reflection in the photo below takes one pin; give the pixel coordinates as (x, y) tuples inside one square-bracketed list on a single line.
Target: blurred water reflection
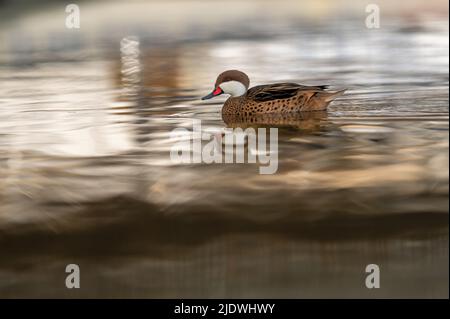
[(86, 177)]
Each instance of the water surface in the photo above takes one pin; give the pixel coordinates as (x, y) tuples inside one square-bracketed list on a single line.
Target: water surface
[(86, 176)]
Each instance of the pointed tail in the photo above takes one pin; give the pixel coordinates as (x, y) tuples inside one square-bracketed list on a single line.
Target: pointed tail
[(328, 97)]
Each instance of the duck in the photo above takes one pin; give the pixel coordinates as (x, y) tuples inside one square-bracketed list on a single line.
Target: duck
[(269, 98)]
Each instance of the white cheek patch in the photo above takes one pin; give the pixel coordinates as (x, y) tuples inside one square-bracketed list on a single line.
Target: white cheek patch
[(234, 88)]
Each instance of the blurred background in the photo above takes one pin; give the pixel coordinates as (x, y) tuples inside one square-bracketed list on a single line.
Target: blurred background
[(86, 176)]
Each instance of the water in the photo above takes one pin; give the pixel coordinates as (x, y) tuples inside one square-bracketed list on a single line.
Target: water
[(86, 176)]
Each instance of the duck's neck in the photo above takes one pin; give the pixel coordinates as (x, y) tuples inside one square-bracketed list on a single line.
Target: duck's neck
[(233, 104)]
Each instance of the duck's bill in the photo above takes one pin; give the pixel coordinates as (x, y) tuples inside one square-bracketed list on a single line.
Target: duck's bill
[(214, 93), (209, 96)]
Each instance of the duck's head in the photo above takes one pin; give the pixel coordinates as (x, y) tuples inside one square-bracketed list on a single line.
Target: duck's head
[(232, 82)]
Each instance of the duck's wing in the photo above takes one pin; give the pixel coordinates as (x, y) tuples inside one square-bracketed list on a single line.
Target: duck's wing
[(263, 93)]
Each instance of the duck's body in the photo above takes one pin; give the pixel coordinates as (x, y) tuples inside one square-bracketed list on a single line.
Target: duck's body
[(280, 98), (271, 98)]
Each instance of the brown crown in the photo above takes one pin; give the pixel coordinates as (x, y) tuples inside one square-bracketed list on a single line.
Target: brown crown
[(233, 75)]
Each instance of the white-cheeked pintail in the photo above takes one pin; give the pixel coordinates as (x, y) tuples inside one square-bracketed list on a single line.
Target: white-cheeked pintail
[(270, 98)]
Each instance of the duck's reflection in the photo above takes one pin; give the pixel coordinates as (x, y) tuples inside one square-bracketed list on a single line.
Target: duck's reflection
[(304, 121)]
